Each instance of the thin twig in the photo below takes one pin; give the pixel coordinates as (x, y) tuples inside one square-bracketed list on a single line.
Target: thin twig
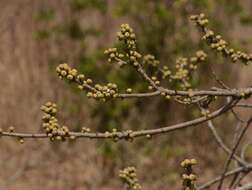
[(245, 187), (237, 117), (244, 148), (243, 105), (235, 178), (239, 179), (222, 144), (219, 81), (227, 174), (233, 152), (125, 134)]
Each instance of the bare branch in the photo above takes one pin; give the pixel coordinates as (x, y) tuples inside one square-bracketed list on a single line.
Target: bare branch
[(233, 151), (132, 134), (248, 186), (227, 174), (222, 144), (243, 105)]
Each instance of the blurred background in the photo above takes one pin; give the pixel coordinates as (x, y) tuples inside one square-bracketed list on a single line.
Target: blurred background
[(36, 36)]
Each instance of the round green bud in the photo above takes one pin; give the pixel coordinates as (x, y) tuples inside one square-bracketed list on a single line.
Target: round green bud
[(129, 90), (70, 77)]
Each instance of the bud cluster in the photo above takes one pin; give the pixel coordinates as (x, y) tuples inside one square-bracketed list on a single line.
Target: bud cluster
[(129, 176), (245, 93), (113, 54), (184, 68), (129, 54), (217, 43), (166, 72), (150, 60), (134, 57), (200, 19), (181, 76), (167, 96), (127, 35), (64, 71), (85, 130), (188, 163), (189, 179), (114, 135), (50, 123), (96, 91), (103, 92)]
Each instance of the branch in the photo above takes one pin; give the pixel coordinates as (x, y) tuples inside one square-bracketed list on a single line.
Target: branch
[(227, 174), (248, 186), (132, 134), (111, 91), (222, 144), (233, 151), (244, 105)]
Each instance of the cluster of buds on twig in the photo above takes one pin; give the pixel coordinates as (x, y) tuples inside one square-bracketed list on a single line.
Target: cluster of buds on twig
[(166, 72), (217, 43), (188, 177), (185, 67), (64, 71), (127, 35), (128, 175), (244, 93), (134, 56), (150, 60), (129, 53), (50, 123), (96, 91), (85, 130), (113, 54), (103, 92), (182, 74), (115, 135)]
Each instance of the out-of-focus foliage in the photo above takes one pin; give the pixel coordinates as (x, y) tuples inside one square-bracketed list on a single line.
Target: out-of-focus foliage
[(246, 19), (80, 5)]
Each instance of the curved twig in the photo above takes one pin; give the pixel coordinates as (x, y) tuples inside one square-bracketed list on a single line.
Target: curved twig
[(222, 144), (227, 174), (233, 151), (140, 133)]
